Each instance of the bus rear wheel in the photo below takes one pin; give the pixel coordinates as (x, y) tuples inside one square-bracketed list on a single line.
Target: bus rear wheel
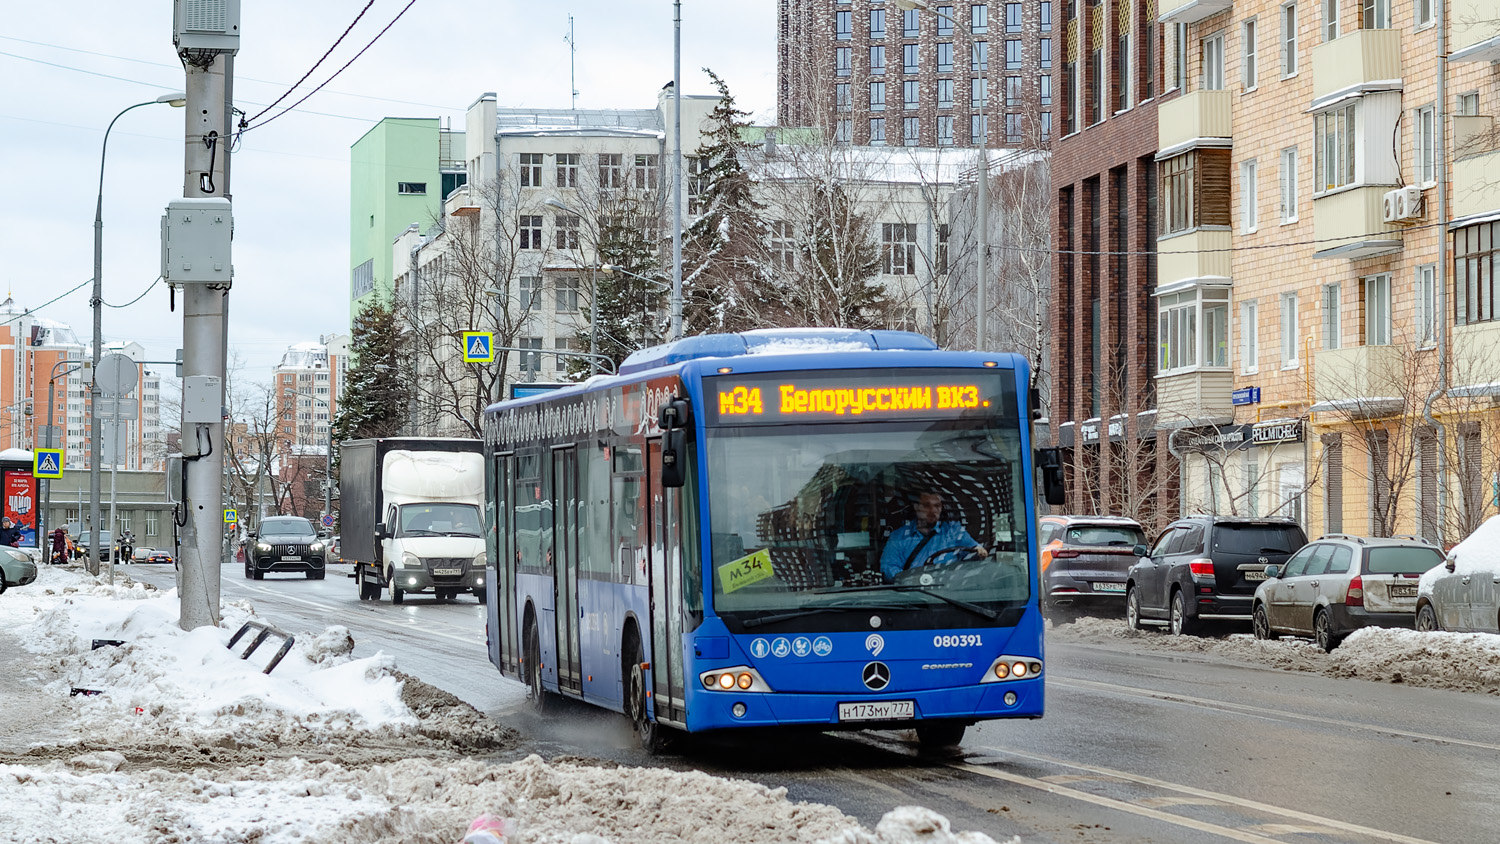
[(537, 696), (647, 732)]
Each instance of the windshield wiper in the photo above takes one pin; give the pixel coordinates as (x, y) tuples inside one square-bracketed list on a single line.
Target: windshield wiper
[(907, 587), (787, 616)]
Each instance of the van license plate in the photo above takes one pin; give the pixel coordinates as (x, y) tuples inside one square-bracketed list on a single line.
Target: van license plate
[(447, 572), (1109, 587), (883, 710), (1403, 590)]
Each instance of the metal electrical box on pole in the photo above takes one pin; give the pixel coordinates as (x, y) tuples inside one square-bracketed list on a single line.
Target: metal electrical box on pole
[(196, 235)]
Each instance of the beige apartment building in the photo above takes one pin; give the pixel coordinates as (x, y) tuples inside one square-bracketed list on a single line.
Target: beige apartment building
[(1330, 209)]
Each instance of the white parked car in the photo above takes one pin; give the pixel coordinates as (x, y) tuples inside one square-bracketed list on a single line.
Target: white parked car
[(1463, 594)]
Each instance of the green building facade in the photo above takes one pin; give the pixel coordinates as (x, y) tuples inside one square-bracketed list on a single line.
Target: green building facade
[(400, 171)]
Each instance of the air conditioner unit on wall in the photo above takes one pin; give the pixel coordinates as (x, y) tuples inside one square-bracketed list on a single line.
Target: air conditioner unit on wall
[(1408, 202), (1388, 212)]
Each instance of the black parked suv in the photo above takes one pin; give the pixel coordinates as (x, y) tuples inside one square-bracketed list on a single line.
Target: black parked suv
[(284, 543), (1206, 567)]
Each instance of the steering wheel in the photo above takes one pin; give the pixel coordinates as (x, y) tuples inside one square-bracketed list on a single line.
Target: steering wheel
[(965, 553)]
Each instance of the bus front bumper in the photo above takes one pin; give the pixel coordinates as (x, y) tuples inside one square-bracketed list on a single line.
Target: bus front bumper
[(715, 710)]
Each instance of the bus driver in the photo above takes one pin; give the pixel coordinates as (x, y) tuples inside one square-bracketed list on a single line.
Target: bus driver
[(916, 542)]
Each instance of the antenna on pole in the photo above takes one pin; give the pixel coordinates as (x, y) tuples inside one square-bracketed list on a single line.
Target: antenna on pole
[(572, 62)]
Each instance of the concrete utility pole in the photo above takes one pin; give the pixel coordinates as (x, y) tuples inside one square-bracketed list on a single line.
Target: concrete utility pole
[(206, 46)]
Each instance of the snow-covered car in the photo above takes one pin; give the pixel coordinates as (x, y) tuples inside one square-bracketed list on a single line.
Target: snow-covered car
[(1463, 594), (16, 568), (1341, 583)]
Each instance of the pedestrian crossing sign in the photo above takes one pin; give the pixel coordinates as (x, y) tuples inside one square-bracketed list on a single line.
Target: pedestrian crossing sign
[(479, 347), (231, 516), (47, 463)]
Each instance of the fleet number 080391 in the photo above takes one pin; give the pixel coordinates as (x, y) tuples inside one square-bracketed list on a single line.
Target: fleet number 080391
[(967, 640)]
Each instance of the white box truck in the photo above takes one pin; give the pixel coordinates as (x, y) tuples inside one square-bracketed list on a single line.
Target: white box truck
[(409, 511)]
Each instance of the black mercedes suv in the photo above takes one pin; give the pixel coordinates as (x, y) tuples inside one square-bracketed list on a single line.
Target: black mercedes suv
[(284, 543)]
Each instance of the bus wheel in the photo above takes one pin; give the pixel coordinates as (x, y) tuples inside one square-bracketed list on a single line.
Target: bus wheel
[(537, 695), (647, 732), (938, 735)]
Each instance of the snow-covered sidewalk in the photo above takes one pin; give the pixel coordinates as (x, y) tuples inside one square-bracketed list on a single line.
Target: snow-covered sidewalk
[(1468, 662), (185, 742)]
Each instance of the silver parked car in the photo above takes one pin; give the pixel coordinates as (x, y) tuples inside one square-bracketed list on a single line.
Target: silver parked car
[(1463, 594), (1341, 583), (16, 568)]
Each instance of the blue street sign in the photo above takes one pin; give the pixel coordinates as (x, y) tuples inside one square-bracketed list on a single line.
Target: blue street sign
[(479, 347), (47, 463), (1245, 395)]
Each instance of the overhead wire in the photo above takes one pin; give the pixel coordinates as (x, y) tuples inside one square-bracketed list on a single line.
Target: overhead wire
[(136, 299), (243, 124), (63, 295), (316, 64)]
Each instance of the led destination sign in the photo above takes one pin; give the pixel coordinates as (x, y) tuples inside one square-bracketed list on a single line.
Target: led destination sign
[(855, 395)]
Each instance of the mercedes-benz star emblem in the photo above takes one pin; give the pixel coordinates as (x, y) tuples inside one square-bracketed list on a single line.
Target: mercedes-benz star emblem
[(876, 676), (291, 549)]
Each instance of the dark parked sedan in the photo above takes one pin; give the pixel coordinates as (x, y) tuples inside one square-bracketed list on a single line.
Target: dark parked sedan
[(284, 543), (1085, 558)]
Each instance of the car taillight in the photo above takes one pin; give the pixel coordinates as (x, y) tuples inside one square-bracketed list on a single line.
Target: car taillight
[(1201, 567), (1063, 554), (1356, 596)]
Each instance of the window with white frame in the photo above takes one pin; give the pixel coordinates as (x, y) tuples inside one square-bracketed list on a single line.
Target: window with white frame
[(1422, 12), (1249, 55), (697, 182), (898, 244), (531, 169), (611, 170), (1378, 310), (566, 226), (152, 522), (783, 246), (1425, 308), (1193, 330), (531, 231), (1289, 338), (1248, 189), (531, 292), (1289, 55), (646, 167), (567, 169), (1213, 62), (1288, 184), (1332, 324), (1334, 147), (567, 294), (1467, 104), (1249, 337), (1424, 145), (1330, 27), (1376, 14), (530, 362)]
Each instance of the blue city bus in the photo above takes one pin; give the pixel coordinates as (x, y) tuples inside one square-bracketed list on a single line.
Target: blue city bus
[(742, 530)]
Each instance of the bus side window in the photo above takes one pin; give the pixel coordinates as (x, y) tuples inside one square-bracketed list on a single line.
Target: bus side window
[(627, 506)]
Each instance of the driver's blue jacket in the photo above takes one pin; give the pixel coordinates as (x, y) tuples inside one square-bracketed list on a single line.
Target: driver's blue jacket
[(906, 538)]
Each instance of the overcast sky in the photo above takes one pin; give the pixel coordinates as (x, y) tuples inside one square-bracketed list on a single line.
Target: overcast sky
[(68, 68)]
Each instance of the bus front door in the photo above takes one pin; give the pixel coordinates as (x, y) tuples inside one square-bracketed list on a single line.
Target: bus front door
[(565, 567)]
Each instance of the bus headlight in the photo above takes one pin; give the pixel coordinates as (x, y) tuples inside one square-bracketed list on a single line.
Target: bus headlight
[(1006, 668), (739, 678)]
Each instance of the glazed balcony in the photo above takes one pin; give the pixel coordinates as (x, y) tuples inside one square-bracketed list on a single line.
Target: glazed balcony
[(1355, 60), (1195, 115), (1349, 223)]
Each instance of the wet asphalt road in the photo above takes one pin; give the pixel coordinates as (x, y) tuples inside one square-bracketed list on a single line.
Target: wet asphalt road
[(1137, 746)]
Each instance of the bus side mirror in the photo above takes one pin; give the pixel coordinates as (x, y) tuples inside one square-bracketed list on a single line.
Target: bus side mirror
[(1049, 460), (673, 420)]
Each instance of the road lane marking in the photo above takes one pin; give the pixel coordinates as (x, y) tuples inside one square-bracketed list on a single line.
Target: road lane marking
[(1263, 712), (1266, 808), (1160, 802), (1120, 805)]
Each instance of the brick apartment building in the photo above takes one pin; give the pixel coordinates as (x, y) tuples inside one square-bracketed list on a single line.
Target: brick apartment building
[(876, 74), (1104, 177)]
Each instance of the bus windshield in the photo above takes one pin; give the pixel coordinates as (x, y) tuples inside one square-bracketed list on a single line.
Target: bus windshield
[(924, 521)]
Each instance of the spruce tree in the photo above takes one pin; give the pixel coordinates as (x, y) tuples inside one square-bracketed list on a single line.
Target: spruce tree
[(839, 266), (377, 388)]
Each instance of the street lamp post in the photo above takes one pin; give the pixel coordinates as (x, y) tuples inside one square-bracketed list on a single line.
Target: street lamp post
[(981, 304), (554, 202), (175, 100), (677, 170)]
